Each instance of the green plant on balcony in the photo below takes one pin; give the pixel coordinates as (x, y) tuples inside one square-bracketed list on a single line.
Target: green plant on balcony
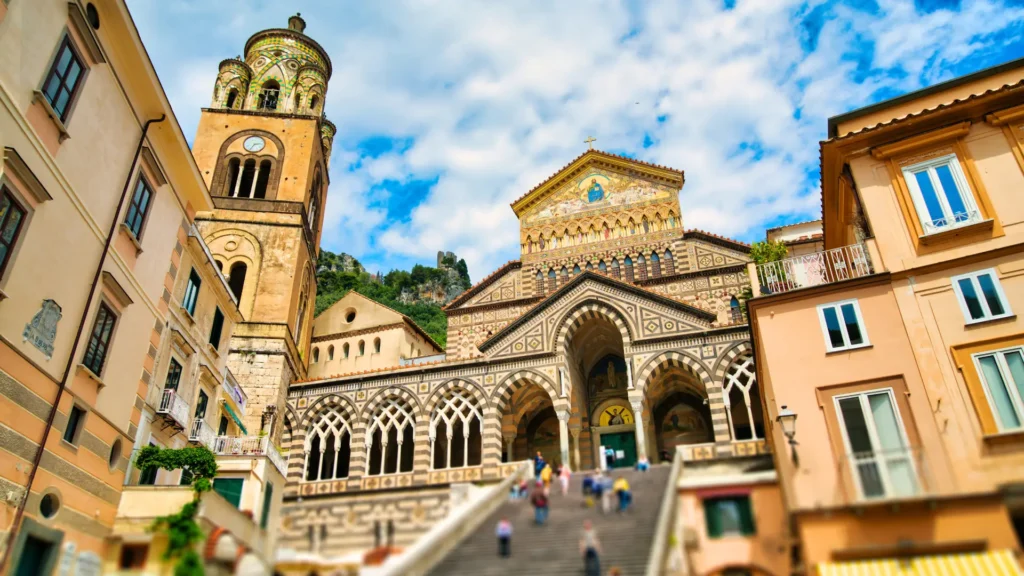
[(182, 531), (765, 252)]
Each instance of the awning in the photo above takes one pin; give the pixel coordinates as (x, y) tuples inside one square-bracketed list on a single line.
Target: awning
[(997, 563), (235, 418)]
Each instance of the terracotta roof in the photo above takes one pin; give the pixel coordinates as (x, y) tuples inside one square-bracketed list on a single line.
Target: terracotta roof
[(383, 369), (598, 153), (474, 289), (744, 247), (793, 224)]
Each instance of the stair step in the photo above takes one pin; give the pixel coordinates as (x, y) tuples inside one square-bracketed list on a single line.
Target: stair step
[(553, 549)]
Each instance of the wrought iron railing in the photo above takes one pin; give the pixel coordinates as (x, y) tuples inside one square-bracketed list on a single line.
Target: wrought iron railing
[(250, 446), (883, 475), (956, 220), (201, 433), (814, 269), (174, 407)]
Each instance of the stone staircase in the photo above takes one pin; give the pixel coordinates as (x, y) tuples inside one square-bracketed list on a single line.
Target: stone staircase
[(553, 549)]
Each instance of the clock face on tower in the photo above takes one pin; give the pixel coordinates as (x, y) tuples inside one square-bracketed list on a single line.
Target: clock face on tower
[(253, 144)]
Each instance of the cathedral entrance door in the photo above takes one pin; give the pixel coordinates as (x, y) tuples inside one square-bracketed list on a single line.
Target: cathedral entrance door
[(624, 445)]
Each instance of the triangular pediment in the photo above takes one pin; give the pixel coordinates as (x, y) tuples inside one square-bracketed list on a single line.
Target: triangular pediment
[(642, 315), (595, 181)]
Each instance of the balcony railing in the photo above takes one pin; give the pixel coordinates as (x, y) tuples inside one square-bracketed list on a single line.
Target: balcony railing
[(814, 269), (884, 475), (250, 446), (201, 433), (174, 408)]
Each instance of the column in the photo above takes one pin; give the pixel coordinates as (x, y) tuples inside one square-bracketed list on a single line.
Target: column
[(563, 434), (641, 436), (575, 432), (509, 442)]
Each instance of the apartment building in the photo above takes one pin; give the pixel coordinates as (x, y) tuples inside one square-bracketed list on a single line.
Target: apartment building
[(898, 418)]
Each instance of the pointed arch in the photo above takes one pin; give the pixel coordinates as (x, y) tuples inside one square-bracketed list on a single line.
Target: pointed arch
[(390, 436), (742, 400), (504, 390), (587, 310), (327, 446), (455, 430)]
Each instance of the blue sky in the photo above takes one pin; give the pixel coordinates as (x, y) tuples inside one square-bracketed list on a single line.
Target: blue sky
[(448, 111)]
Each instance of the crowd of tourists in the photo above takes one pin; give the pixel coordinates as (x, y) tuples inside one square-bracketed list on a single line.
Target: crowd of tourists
[(599, 489)]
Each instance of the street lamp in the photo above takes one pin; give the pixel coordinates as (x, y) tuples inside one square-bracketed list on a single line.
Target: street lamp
[(787, 421)]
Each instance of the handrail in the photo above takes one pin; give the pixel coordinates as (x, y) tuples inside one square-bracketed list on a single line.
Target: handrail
[(815, 269), (446, 535), (659, 545)]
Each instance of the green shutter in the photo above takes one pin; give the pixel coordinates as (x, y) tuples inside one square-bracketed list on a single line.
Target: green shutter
[(268, 496), (714, 522), (746, 516), (230, 489)]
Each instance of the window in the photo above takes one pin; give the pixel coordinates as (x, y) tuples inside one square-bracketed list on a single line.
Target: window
[(230, 489), (232, 96), (376, 345), (330, 352), (234, 167), (268, 499), (133, 556), (314, 102), (268, 96), (76, 419), (327, 447), (246, 179), (455, 431), (1002, 377), (222, 428), (981, 296), (138, 208), (941, 195), (362, 347), (236, 279), (173, 375), (216, 328), (877, 450), (147, 477), (842, 325), (729, 516), (204, 400), (63, 79), (344, 350), (191, 292), (99, 339), (12, 215), (316, 355), (390, 439), (742, 400), (260, 190)]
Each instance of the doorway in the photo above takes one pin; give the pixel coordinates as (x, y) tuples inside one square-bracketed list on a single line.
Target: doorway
[(624, 445)]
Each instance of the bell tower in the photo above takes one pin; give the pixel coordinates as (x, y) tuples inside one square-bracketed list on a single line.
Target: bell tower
[(263, 147)]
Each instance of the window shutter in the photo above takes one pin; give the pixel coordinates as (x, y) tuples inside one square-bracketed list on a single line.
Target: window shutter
[(747, 517), (230, 489), (268, 495), (714, 522)]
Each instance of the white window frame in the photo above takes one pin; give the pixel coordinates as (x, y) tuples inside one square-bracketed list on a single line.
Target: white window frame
[(880, 459), (967, 195), (842, 326), (1016, 402), (973, 277)]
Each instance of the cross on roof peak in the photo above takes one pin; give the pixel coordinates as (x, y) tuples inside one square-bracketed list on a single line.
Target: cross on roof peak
[(590, 142)]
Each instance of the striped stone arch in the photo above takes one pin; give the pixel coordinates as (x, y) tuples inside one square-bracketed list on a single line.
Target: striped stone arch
[(323, 402), (668, 360), (507, 387), (392, 391), (588, 310), (729, 357), (469, 386)]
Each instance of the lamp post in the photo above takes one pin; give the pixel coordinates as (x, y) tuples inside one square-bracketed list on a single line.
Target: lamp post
[(787, 421)]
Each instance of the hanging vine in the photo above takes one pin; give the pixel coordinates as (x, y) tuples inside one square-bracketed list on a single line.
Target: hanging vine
[(182, 531)]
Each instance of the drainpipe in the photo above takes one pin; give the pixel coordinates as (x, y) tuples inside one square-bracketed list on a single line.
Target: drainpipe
[(74, 346)]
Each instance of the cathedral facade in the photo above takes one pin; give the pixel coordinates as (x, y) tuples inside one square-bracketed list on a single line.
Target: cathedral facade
[(617, 335)]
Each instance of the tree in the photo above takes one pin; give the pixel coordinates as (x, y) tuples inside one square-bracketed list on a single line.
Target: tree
[(768, 251)]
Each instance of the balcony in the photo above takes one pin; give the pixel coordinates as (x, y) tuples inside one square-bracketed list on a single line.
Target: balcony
[(883, 476), (173, 408), (815, 269), (250, 446), (201, 433)]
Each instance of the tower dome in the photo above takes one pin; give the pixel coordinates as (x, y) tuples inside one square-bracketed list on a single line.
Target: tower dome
[(288, 71)]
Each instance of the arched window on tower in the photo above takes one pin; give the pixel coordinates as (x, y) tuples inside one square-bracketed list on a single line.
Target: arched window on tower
[(629, 269), (269, 95), (455, 431), (231, 185), (551, 280), (615, 269), (576, 270), (390, 434), (376, 345), (362, 347), (236, 279), (565, 275), (314, 102), (655, 265), (316, 354), (247, 179), (327, 447), (232, 96), (314, 199), (670, 265), (300, 315), (602, 267), (540, 283), (590, 267), (641, 267), (330, 352), (344, 350), (298, 101), (262, 179)]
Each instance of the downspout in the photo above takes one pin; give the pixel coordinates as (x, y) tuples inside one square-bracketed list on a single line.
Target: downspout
[(74, 346)]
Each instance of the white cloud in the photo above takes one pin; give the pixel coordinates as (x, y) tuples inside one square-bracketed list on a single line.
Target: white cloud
[(497, 96)]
